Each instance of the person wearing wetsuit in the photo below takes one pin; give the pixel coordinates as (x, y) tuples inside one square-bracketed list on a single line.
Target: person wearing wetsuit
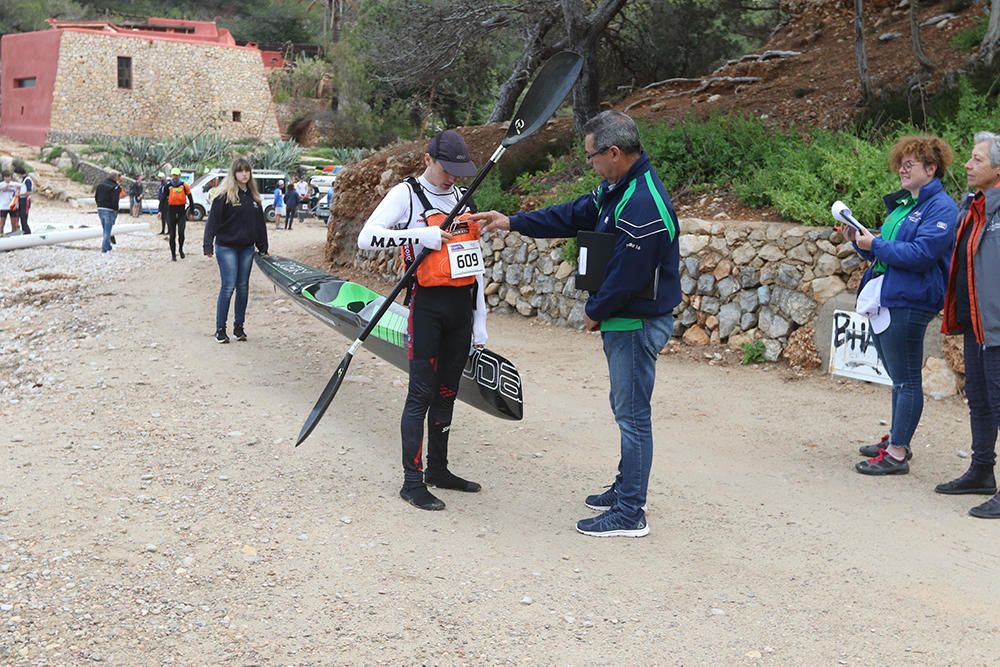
[(446, 314)]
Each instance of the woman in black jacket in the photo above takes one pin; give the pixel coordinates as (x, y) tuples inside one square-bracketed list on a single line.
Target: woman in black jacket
[(235, 225)]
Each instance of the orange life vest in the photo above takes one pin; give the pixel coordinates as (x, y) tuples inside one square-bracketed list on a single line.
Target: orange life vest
[(177, 194), (435, 269)]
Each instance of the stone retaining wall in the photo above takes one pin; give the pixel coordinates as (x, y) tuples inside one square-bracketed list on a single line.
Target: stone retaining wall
[(741, 281)]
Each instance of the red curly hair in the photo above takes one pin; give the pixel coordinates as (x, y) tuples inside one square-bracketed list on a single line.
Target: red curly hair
[(926, 148)]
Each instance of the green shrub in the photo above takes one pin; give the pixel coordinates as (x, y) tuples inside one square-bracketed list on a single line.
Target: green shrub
[(569, 251), (753, 353), (74, 174), (338, 154), (490, 196), (971, 37)]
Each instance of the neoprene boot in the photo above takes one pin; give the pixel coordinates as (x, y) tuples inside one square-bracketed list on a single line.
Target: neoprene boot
[(977, 479)]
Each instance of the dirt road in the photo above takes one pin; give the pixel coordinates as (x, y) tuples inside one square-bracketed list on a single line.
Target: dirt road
[(153, 510)]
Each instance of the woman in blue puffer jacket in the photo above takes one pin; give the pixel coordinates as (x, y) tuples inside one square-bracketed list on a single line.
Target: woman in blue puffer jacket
[(910, 262)]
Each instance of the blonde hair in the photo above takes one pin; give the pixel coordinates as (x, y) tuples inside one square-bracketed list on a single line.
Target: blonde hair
[(231, 187)]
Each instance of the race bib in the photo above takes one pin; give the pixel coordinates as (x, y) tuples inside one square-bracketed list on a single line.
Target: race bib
[(466, 259)]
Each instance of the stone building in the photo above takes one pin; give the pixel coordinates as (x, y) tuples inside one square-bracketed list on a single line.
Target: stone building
[(161, 78)]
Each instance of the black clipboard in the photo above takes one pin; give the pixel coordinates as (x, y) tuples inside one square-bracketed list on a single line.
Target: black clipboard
[(595, 252)]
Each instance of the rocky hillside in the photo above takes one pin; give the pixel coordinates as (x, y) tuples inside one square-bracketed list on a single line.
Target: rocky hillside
[(807, 74)]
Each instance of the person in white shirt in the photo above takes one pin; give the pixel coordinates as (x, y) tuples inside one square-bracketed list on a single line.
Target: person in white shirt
[(8, 203), (447, 313)]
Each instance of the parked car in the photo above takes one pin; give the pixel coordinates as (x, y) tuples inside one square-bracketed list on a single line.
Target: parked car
[(323, 183), (204, 188)]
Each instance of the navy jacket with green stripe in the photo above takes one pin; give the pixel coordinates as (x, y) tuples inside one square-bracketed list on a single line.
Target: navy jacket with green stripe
[(637, 209)]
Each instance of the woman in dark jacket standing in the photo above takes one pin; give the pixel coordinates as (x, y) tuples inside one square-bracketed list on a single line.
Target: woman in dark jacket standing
[(910, 261), (972, 308), (235, 225)]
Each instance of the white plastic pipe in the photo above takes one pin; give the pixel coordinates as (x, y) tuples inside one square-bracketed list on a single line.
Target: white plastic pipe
[(64, 236)]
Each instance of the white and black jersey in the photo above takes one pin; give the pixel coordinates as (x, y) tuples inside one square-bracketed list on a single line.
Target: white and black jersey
[(399, 220)]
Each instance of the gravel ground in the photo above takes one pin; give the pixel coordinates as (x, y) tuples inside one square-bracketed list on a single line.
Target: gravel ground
[(154, 512)]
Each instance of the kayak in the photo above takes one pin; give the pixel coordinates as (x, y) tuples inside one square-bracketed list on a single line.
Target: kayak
[(490, 382), (10, 242)]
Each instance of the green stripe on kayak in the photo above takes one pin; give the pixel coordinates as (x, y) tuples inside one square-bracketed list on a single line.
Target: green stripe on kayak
[(391, 328)]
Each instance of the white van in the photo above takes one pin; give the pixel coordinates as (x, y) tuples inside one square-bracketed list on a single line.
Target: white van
[(323, 183), (267, 181)]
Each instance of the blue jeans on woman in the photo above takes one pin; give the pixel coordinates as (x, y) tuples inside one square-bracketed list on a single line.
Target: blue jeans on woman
[(901, 349), (982, 388), (632, 368), (107, 217), (234, 267)]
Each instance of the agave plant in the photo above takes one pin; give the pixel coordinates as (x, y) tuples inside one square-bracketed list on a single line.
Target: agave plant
[(278, 154), (206, 148)]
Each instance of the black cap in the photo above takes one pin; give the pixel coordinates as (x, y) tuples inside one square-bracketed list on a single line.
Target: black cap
[(450, 150)]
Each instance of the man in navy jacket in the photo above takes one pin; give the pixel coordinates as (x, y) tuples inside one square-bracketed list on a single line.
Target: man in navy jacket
[(632, 204)]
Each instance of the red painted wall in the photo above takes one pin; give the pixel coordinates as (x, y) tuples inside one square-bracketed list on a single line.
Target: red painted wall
[(26, 113), (272, 59)]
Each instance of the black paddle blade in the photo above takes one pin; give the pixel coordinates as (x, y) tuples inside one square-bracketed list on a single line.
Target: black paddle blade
[(546, 93), (324, 399)]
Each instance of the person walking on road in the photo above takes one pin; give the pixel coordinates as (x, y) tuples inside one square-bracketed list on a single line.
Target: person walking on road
[(279, 205), (135, 197), (236, 224), (632, 307), (292, 201), (8, 203), (179, 201), (972, 308), (162, 207), (24, 198), (108, 196), (447, 312)]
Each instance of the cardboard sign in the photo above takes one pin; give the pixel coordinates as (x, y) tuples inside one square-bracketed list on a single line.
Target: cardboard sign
[(852, 349)]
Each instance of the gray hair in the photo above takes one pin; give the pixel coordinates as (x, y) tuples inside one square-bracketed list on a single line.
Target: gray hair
[(993, 148), (613, 128), (114, 174)]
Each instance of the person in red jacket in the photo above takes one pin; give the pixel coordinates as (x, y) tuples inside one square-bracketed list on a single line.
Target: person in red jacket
[(972, 308)]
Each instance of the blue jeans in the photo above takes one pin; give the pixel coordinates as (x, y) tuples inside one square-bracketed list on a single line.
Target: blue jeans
[(108, 218), (982, 388), (901, 349), (632, 367), (234, 267)]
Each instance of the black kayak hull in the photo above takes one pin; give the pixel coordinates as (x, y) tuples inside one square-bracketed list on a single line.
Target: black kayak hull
[(489, 383)]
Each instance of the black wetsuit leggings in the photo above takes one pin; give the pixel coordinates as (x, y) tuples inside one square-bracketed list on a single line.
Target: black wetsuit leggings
[(176, 222), (440, 331)]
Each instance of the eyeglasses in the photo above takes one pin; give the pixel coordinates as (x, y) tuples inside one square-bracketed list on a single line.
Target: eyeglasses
[(591, 156), (908, 165)]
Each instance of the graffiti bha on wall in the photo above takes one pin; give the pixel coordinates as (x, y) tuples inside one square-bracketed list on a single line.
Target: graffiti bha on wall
[(852, 349)]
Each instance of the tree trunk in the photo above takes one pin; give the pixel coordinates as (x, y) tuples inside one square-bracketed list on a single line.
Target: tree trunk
[(918, 47), (534, 53), (583, 34), (336, 20), (859, 51), (988, 48)]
